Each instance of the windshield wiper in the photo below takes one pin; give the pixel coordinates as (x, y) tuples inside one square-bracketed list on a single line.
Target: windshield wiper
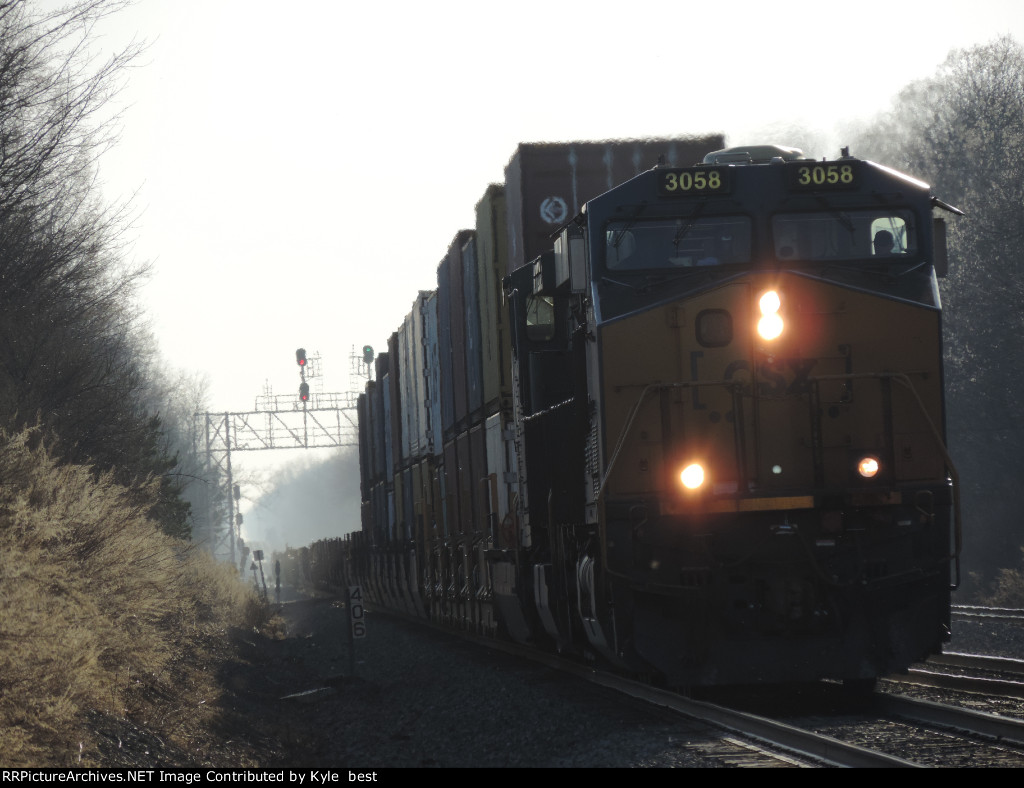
[(656, 280), (686, 226), (912, 268), (884, 271), (607, 280), (842, 217), (617, 238)]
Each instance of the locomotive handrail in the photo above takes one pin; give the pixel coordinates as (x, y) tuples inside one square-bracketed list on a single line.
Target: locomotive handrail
[(636, 409), (622, 441), (547, 411), (899, 377), (904, 379)]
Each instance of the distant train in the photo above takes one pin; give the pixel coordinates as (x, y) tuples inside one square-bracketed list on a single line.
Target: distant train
[(683, 419)]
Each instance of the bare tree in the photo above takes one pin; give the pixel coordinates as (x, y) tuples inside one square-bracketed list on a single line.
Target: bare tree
[(72, 355)]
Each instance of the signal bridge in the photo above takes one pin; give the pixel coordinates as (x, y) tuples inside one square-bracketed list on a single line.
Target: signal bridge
[(312, 419), (285, 422)]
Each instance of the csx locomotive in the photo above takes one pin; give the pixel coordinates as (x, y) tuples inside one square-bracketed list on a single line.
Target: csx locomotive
[(717, 450)]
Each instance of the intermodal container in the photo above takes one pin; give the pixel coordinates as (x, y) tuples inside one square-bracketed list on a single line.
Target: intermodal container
[(395, 394), (432, 375), (365, 459), (414, 399), (478, 478), (407, 528), (546, 184), (457, 326), (465, 483), (472, 316), (492, 262), (451, 490), (384, 379), (444, 344)]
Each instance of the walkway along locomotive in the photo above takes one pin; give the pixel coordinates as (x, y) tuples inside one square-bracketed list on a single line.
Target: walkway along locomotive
[(716, 453)]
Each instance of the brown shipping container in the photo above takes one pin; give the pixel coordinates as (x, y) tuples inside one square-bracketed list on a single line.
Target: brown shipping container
[(546, 184)]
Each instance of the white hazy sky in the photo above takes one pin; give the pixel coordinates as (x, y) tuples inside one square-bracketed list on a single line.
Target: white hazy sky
[(300, 168)]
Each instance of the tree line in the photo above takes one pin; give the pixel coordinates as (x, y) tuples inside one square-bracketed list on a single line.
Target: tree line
[(962, 130), (76, 364)]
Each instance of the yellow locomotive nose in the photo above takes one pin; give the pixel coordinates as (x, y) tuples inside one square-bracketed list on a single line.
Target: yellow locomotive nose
[(770, 325)]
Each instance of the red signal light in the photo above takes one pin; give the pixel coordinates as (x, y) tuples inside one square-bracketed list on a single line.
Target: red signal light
[(300, 357), (304, 392)]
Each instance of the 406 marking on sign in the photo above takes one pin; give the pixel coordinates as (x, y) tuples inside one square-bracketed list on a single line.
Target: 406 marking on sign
[(356, 612)]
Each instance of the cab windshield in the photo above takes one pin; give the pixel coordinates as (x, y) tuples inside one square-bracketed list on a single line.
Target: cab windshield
[(677, 243), (844, 235)]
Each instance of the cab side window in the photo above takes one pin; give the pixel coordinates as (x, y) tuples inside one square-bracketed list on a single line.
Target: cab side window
[(540, 318)]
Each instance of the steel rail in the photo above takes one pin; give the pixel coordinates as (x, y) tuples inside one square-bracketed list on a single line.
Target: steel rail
[(794, 740), (978, 662), (1004, 729), (952, 681)]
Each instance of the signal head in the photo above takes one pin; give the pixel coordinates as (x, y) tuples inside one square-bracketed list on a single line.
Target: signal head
[(300, 356), (304, 391)]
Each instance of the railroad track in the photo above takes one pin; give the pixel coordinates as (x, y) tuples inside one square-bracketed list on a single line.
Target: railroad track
[(884, 730), (974, 673), (977, 673), (774, 741), (881, 732), (1010, 614), (873, 737)]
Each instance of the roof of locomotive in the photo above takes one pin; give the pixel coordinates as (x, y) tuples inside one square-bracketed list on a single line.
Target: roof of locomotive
[(754, 154), (749, 165)]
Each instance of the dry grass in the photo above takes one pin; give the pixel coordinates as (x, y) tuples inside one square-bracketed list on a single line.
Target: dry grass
[(99, 611)]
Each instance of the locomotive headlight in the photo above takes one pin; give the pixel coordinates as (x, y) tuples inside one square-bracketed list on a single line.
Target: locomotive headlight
[(868, 467), (692, 476), (770, 325)]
